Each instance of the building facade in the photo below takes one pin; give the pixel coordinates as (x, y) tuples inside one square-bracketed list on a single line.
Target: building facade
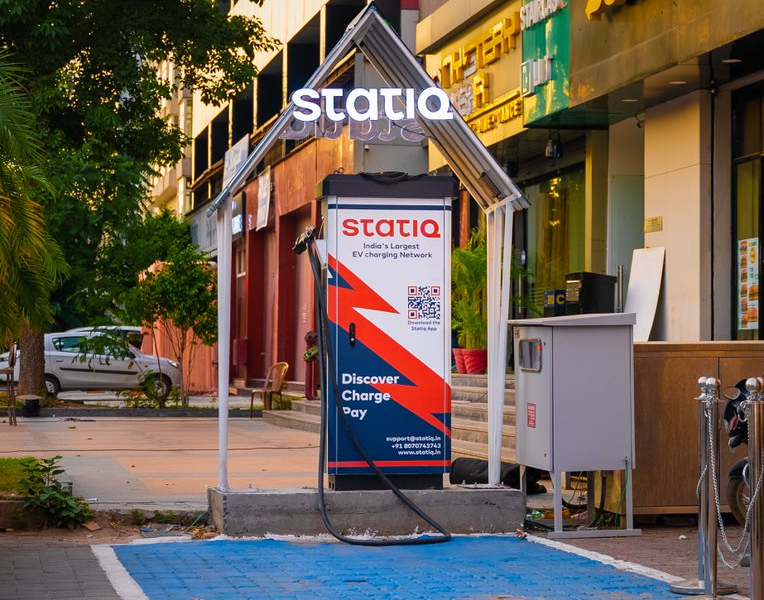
[(629, 124), (272, 294), (651, 112)]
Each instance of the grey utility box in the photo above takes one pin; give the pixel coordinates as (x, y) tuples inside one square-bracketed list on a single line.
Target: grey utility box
[(574, 395)]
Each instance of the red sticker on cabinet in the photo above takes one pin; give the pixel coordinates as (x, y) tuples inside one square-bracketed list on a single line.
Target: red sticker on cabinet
[(531, 412)]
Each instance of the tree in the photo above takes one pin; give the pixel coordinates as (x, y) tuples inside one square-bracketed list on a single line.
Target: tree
[(31, 263), (179, 298), (92, 79)]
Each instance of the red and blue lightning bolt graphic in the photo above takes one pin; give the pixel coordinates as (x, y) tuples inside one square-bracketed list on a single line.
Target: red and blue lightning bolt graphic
[(424, 396)]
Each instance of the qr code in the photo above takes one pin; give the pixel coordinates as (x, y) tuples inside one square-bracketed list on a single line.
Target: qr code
[(424, 302)]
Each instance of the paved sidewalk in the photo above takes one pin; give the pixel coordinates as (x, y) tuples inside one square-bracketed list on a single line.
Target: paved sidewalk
[(41, 571), (166, 464)]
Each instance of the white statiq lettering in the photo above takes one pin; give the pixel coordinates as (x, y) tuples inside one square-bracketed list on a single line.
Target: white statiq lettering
[(431, 103), (329, 95), (300, 101), (442, 113), (388, 97), (371, 113)]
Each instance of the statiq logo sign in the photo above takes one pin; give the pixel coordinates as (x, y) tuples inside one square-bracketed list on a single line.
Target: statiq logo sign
[(383, 113), (364, 104)]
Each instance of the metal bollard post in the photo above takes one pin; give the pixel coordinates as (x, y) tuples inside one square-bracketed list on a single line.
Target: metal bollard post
[(706, 579), (696, 586), (755, 448), (712, 528)]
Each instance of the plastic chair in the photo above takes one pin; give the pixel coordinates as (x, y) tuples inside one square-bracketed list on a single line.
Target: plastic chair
[(11, 385), (275, 383)]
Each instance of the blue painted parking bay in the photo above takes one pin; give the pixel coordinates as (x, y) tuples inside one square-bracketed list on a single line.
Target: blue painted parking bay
[(482, 567)]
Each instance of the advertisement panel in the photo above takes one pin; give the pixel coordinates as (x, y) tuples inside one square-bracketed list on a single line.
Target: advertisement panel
[(748, 284), (545, 71), (389, 314)]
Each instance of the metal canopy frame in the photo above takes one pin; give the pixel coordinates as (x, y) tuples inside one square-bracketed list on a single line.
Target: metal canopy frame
[(466, 155)]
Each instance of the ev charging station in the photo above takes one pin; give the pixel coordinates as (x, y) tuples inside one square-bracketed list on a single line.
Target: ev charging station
[(405, 358), (389, 305)]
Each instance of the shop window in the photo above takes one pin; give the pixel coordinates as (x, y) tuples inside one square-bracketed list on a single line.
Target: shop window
[(748, 153), (554, 236), (746, 249)]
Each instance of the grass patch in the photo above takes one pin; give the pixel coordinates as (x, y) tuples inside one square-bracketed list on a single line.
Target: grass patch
[(10, 474)]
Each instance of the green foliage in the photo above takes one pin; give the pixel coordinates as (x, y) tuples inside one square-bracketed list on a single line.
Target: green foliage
[(166, 517), (46, 493), (11, 474), (92, 79), (137, 517), (469, 278), (181, 297), (31, 263)]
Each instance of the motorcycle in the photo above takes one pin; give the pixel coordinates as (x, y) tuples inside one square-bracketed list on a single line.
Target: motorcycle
[(736, 426)]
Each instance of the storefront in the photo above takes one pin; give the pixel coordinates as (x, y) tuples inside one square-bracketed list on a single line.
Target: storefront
[(509, 87)]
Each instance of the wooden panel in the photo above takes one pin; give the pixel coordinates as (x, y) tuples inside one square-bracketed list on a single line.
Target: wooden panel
[(666, 418), (295, 180), (666, 428)]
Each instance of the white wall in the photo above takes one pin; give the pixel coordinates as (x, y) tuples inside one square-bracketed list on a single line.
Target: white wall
[(677, 187), (626, 195)]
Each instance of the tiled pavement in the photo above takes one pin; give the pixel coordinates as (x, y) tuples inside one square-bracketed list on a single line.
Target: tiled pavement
[(468, 567), (172, 461), (43, 572)]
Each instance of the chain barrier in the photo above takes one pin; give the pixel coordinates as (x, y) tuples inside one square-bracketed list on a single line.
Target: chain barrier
[(755, 480), (738, 551)]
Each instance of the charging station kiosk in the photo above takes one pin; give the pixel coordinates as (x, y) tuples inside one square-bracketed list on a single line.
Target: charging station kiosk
[(388, 290), (575, 401)]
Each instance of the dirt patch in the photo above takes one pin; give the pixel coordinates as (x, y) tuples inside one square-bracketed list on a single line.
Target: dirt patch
[(103, 529)]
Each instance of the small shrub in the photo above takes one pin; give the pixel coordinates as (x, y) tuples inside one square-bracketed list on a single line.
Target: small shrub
[(137, 517), (46, 494), (166, 518)]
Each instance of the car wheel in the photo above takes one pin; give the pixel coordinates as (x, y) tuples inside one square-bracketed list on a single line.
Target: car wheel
[(158, 385), (738, 498), (52, 386)]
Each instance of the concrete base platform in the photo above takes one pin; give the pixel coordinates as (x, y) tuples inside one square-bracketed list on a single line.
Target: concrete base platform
[(295, 511)]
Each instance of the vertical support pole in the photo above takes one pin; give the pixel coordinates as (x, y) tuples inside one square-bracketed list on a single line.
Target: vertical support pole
[(495, 404), (629, 498), (499, 247), (557, 500), (755, 466), (698, 586), (702, 495), (712, 449), (224, 215)]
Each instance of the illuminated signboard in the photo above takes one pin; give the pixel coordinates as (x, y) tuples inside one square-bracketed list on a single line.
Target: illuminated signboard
[(384, 114), (479, 71), (545, 71)]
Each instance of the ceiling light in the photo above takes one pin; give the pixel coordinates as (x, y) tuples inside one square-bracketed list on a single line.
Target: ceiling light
[(677, 82), (731, 61), (629, 100)]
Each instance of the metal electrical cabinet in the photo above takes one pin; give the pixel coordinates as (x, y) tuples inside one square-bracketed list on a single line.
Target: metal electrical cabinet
[(575, 396)]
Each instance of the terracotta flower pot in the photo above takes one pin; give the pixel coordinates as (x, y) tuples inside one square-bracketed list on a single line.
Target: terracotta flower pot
[(475, 361), (459, 359)]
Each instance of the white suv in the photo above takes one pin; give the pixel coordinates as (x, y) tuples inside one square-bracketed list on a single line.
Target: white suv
[(95, 358)]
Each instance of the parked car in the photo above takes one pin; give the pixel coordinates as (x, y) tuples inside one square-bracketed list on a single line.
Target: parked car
[(91, 358)]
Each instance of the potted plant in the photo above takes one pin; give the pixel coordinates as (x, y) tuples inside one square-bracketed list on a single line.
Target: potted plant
[(469, 317)]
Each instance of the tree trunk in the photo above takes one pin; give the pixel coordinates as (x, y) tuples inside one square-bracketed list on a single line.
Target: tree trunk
[(32, 365)]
